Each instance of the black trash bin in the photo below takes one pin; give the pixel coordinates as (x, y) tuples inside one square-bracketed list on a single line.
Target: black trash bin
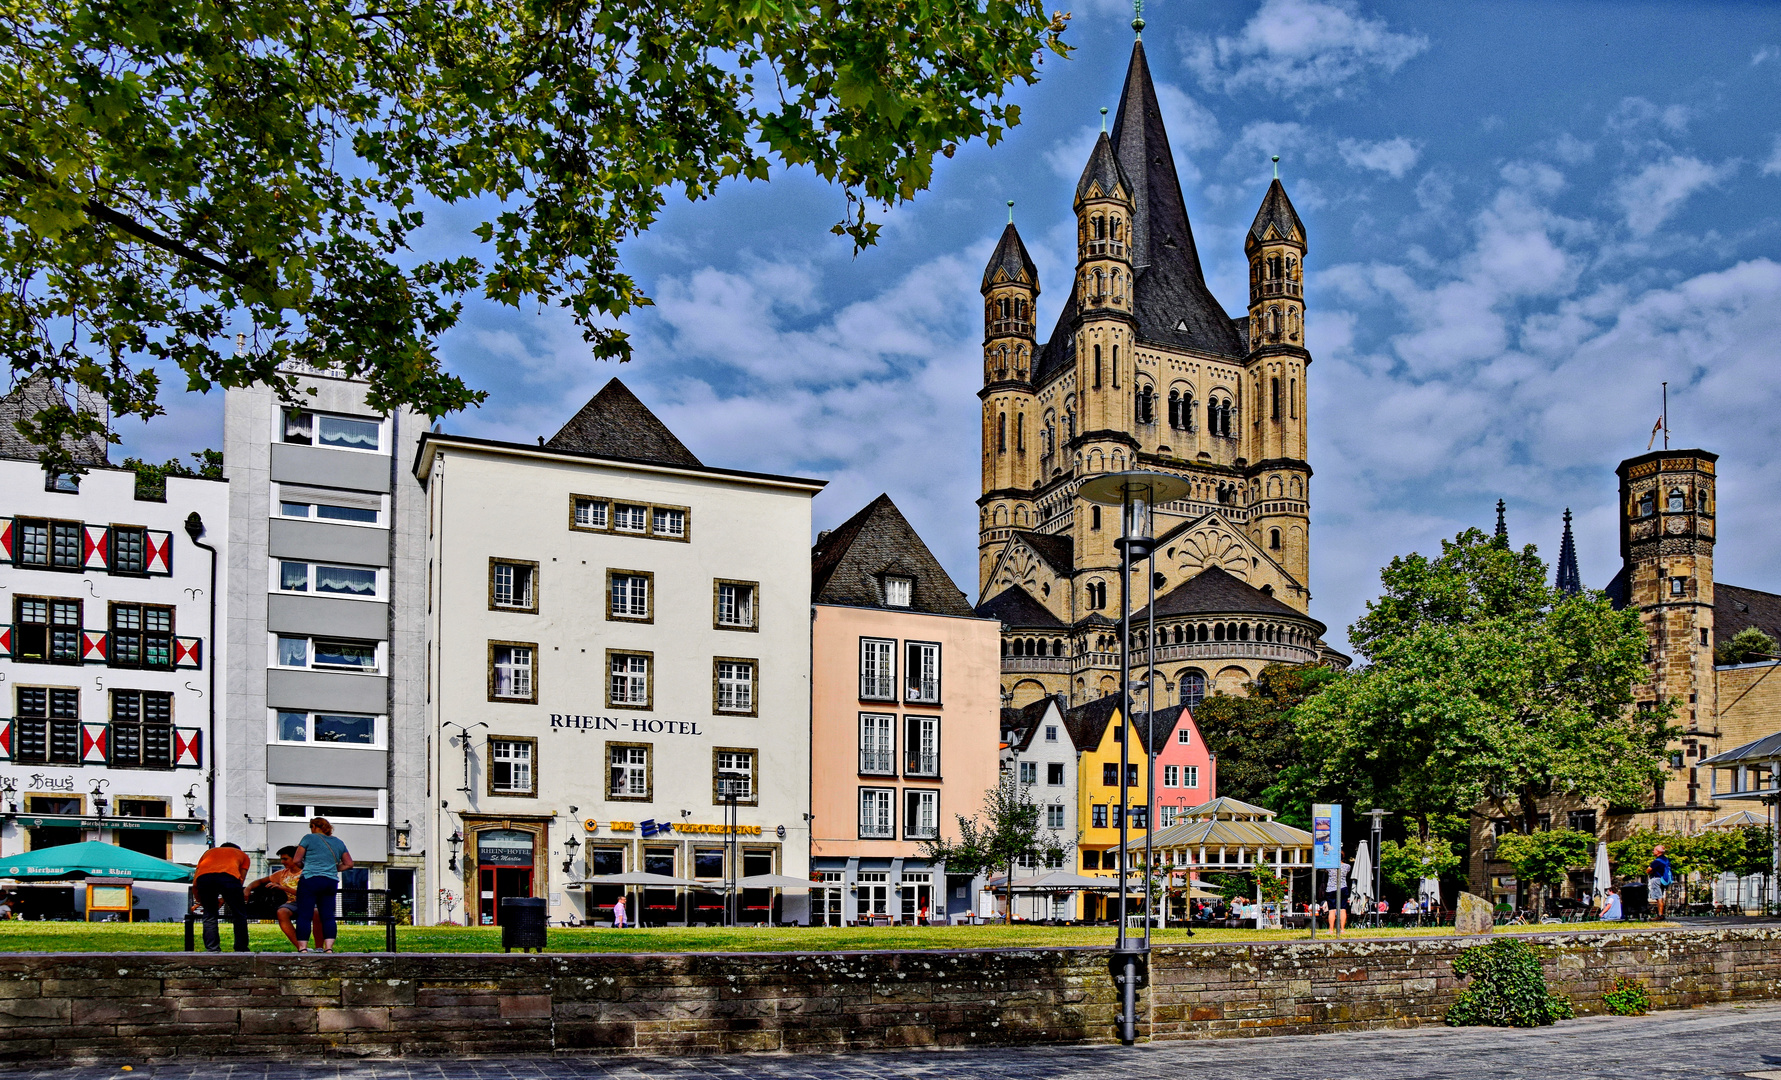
[(523, 923), (1635, 904)]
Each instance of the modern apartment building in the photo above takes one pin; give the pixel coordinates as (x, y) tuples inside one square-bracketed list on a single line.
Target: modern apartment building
[(108, 658), (325, 699), (905, 699), (619, 672)]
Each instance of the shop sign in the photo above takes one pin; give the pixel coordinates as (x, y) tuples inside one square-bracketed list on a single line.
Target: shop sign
[(637, 725)]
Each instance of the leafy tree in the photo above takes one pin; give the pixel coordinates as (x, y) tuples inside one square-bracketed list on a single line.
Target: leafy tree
[(1747, 644), (151, 480), (1542, 856), (1483, 678), (1006, 829), (176, 172), (1255, 742), (1418, 857), (1759, 850)]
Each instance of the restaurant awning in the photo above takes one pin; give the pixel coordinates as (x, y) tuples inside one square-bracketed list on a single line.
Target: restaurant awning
[(91, 859), (125, 824)]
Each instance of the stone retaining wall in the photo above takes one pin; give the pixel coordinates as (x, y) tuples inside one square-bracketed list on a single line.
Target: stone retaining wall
[(157, 1006)]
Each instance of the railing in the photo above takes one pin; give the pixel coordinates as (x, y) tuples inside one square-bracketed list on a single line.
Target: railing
[(875, 761), (1114, 248), (1278, 287), (926, 691), (1010, 326), (1037, 664), (923, 765), (1222, 650), (874, 688)]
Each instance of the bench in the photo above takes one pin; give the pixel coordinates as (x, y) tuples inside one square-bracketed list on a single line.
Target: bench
[(365, 906)]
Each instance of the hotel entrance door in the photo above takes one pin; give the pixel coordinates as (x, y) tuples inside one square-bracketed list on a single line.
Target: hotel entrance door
[(504, 864)]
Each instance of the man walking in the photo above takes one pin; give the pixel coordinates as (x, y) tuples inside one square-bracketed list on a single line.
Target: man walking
[(217, 881), (1658, 878)]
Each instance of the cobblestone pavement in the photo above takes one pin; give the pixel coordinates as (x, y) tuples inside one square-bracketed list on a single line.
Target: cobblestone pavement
[(1718, 1042)]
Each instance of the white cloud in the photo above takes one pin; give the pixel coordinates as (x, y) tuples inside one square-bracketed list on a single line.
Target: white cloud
[(1068, 156), (1772, 166), (1393, 157), (1572, 150), (1649, 197), (1635, 113), (1763, 55), (1191, 125), (1302, 49)]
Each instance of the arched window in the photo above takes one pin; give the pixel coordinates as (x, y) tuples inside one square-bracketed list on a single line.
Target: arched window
[(1700, 500), (1218, 632), (1292, 398), (1274, 397), (1113, 228), (1097, 383), (1243, 632), (1116, 367), (1070, 424), (1004, 648), (1020, 433), (1100, 225), (1001, 432), (1094, 517), (1100, 293), (1193, 688), (1678, 502), (1274, 539), (1174, 408), (1205, 634)]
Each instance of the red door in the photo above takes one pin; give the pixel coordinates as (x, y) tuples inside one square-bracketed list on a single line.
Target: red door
[(496, 884)]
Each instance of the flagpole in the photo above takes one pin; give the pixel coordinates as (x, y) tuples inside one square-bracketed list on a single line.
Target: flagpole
[(1666, 415)]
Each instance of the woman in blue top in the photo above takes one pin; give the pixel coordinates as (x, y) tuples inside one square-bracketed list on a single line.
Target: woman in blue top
[(323, 857)]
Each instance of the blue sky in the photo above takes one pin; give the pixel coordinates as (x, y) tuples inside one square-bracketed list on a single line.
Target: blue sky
[(1523, 217)]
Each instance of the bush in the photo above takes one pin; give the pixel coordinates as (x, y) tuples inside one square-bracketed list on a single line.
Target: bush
[(1628, 998), (1508, 988)]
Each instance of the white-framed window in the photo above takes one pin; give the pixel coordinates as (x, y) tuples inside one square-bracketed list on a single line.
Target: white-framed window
[(877, 752), (630, 518), (1165, 816), (306, 428), (733, 773), (329, 728), (512, 668), (1171, 776), (876, 822), (334, 507), (328, 579), (1029, 772), (878, 669), (668, 521), (1192, 777), (921, 746), (735, 604), (510, 766), (921, 814), (357, 806), (1184, 736), (1054, 816), (921, 672), (1054, 774), (630, 596), (629, 679), (735, 686), (512, 584), (898, 591), (592, 513), (1051, 733), (327, 654), (629, 772)]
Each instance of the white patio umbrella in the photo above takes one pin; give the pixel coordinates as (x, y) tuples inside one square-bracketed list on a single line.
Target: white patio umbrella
[(1430, 890), (1363, 872), (1603, 879)]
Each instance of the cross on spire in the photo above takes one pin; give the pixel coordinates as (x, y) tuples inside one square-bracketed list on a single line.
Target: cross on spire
[(1502, 526)]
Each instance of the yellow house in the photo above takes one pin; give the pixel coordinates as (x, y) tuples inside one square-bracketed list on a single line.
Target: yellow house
[(1098, 730)]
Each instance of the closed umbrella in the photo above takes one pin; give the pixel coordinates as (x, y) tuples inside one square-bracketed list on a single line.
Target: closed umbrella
[(1363, 873), (1430, 890), (1603, 879), (772, 881), (650, 881)]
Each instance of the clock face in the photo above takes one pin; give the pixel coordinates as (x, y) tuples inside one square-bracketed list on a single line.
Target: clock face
[(1676, 526)]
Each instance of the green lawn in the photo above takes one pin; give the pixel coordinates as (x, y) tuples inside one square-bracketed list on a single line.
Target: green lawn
[(170, 937)]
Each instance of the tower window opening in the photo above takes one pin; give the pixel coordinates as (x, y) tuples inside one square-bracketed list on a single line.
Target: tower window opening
[(1292, 397), (1274, 539), (1020, 433), (1274, 396), (1097, 382), (1094, 517), (1100, 293), (1218, 632), (1678, 586), (1174, 408), (1116, 367), (1001, 432), (1647, 504), (1678, 502)]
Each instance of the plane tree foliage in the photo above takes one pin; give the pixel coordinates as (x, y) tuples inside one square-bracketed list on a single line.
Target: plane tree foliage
[(180, 172)]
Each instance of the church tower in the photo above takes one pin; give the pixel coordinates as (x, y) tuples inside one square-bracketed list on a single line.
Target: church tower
[(1010, 290), (1145, 369)]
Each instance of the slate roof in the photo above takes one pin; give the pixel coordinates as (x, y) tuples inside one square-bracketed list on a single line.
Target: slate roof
[(1276, 210), (1156, 736), (615, 424), (1011, 261), (1016, 607), (30, 397), (1057, 549), (1215, 591), (1734, 609), (1088, 723), (848, 562), (1019, 725), (1102, 171)]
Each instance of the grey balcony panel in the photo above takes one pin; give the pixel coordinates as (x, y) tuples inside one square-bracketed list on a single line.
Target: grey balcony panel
[(319, 541), (326, 467), (326, 690), (365, 843), (335, 766), (288, 613)]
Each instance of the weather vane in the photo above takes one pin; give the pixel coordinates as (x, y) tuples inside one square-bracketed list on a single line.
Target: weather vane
[(1138, 16)]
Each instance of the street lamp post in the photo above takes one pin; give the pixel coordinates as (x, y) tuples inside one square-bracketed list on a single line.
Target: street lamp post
[(1378, 817), (1136, 494)]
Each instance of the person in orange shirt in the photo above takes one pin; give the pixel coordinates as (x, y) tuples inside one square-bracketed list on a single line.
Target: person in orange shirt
[(217, 881)]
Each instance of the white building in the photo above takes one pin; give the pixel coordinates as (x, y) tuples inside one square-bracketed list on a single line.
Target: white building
[(108, 659), (1038, 752), (325, 701), (615, 632)]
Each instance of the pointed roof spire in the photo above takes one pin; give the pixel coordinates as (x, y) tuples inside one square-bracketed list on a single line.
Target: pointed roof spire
[(1502, 526), (614, 423), (1569, 580), (1276, 215), (1172, 302), (1010, 261), (1102, 173)]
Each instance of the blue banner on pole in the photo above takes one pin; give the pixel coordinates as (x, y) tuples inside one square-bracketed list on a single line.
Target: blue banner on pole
[(1326, 836)]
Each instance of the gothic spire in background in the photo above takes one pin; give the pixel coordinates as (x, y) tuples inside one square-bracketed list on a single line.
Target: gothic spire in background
[(1569, 580), (1502, 527)]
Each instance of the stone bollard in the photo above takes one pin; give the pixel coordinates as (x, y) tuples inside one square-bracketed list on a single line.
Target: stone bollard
[(1474, 916)]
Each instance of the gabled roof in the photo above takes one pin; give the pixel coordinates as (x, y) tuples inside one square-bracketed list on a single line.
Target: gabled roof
[(1156, 735), (1020, 725), (1088, 723), (1010, 262), (1102, 175), (31, 396), (1215, 591), (1170, 290), (1276, 211), (1226, 807), (1767, 748), (1057, 549), (849, 562), (1736, 609), (615, 424), (1017, 608)]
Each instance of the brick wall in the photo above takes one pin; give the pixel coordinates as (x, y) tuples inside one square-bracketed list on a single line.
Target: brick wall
[(146, 1006)]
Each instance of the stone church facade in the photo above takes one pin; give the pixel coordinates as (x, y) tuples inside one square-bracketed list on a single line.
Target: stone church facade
[(1145, 370)]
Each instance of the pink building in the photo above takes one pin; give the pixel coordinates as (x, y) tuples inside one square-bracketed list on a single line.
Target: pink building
[(905, 692), (1186, 773)]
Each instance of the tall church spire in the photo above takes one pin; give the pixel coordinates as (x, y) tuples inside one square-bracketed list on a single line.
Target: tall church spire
[(1569, 580), (1502, 526)]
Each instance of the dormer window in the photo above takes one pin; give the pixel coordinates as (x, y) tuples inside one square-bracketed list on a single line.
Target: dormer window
[(897, 591)]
